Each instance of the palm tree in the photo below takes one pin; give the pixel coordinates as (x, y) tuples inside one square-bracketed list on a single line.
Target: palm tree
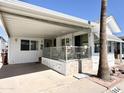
[(103, 71)]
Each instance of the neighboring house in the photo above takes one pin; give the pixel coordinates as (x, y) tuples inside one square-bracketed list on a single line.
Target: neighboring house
[(65, 43), (2, 44)]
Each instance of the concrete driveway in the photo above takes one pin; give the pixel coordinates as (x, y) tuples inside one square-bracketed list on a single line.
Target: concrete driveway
[(7, 71), (37, 78)]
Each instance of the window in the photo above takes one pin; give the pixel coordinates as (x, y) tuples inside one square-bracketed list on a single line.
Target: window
[(96, 44), (24, 44), (109, 47), (27, 45), (34, 45), (67, 41), (84, 40), (122, 48), (63, 42)]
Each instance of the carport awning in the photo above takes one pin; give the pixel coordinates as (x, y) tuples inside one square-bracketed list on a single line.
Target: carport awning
[(110, 37), (25, 20)]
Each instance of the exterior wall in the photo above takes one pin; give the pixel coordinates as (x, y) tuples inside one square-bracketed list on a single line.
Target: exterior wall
[(95, 57), (15, 55)]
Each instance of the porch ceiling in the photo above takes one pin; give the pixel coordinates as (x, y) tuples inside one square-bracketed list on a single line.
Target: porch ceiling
[(23, 27)]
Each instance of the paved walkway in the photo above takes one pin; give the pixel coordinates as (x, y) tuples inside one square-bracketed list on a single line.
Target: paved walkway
[(37, 78), (119, 85)]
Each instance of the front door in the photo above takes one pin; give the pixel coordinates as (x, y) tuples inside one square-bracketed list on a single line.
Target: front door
[(77, 40), (81, 40)]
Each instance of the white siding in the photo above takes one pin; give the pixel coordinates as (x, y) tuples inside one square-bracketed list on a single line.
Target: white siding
[(15, 55), (95, 57)]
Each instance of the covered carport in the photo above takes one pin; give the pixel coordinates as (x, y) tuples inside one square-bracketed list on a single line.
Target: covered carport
[(25, 21)]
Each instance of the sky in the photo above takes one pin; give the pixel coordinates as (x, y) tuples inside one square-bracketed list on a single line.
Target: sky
[(85, 9)]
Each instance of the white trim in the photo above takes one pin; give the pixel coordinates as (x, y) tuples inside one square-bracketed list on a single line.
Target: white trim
[(110, 37)]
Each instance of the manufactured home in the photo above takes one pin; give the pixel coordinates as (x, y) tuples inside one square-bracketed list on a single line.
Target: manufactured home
[(62, 42)]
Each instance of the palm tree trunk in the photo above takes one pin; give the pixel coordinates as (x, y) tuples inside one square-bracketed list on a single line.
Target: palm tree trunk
[(103, 71)]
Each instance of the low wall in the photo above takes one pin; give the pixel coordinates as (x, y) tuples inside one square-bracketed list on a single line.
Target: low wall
[(85, 65), (72, 67), (65, 68)]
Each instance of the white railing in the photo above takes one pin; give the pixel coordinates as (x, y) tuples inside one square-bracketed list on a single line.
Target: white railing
[(65, 53)]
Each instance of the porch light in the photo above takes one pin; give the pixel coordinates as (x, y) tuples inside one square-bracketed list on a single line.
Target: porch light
[(85, 47)]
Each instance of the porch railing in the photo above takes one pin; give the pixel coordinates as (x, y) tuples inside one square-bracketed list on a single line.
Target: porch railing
[(65, 53)]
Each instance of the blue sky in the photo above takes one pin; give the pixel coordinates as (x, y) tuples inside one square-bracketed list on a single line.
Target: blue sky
[(86, 9)]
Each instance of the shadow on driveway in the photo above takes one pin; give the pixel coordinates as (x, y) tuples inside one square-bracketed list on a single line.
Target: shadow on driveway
[(20, 69)]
